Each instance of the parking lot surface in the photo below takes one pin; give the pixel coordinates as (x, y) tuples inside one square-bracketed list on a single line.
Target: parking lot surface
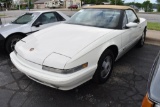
[(125, 88)]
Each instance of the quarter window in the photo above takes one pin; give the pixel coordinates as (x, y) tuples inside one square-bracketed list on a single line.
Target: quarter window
[(59, 17), (46, 18)]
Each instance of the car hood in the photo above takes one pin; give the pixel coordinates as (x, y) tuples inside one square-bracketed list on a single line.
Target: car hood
[(9, 26), (63, 39)]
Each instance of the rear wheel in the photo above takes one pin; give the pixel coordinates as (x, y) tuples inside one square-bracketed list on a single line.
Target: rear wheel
[(11, 42), (104, 68)]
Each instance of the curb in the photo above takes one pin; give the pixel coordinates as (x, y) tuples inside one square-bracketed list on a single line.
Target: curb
[(153, 38), (152, 43)]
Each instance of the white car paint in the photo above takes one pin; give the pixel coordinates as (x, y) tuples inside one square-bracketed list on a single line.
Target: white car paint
[(74, 46), (79, 40)]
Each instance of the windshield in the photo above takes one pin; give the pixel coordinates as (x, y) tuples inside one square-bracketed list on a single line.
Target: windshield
[(24, 18), (105, 18)]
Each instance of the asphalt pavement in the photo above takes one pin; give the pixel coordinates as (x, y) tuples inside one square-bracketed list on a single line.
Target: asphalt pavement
[(125, 88), (150, 17)]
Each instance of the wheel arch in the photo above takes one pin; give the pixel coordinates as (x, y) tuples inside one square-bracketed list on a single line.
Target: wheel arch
[(19, 33), (113, 48), (145, 30)]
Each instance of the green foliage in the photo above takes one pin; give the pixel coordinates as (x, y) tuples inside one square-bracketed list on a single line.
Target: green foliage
[(147, 6), (94, 1), (117, 2), (139, 5), (31, 5), (158, 8), (7, 4)]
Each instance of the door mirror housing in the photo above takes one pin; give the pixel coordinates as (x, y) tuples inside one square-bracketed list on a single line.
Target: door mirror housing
[(131, 25), (37, 24)]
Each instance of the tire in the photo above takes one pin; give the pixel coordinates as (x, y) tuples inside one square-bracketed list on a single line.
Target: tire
[(142, 40), (11, 41), (105, 66)]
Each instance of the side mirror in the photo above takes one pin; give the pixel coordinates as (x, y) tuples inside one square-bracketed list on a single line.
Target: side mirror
[(131, 25), (37, 24)]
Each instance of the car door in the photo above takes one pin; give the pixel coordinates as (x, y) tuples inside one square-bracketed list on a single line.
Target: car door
[(125, 36), (45, 20), (135, 32)]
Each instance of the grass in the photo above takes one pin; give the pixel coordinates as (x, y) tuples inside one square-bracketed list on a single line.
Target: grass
[(2, 15), (153, 26), (149, 12)]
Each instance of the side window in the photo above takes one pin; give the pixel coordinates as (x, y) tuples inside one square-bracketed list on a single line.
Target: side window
[(46, 18), (59, 17), (125, 20), (131, 16)]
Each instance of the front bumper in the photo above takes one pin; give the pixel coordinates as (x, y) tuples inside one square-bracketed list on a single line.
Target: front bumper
[(55, 80)]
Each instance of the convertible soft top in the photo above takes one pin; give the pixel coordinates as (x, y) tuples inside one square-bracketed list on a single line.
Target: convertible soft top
[(108, 7)]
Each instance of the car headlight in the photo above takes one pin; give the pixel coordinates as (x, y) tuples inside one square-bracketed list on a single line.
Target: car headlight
[(65, 71), (157, 105)]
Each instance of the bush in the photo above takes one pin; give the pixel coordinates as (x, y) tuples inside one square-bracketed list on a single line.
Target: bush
[(158, 8)]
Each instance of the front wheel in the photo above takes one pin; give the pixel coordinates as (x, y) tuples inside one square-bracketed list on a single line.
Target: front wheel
[(104, 68), (142, 40), (11, 42)]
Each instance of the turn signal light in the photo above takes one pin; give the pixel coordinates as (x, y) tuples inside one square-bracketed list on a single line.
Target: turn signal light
[(146, 102)]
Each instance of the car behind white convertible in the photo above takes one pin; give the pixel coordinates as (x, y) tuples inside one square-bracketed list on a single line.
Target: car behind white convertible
[(26, 24), (85, 47)]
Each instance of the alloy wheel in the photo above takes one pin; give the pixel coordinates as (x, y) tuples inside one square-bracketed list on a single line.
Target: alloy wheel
[(106, 67)]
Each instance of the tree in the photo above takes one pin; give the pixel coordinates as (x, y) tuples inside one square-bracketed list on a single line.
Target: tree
[(7, 3), (158, 6), (93, 1), (28, 3), (117, 2), (147, 6), (139, 5)]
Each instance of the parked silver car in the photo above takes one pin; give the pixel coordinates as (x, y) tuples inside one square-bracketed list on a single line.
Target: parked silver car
[(26, 24), (152, 98)]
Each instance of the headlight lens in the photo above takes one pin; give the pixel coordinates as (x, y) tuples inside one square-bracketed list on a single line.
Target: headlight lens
[(157, 105), (65, 71)]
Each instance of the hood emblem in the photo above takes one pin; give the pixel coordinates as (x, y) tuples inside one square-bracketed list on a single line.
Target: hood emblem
[(31, 49)]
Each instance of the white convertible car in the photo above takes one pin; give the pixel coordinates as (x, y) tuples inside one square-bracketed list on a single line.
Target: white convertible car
[(26, 24), (85, 47)]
